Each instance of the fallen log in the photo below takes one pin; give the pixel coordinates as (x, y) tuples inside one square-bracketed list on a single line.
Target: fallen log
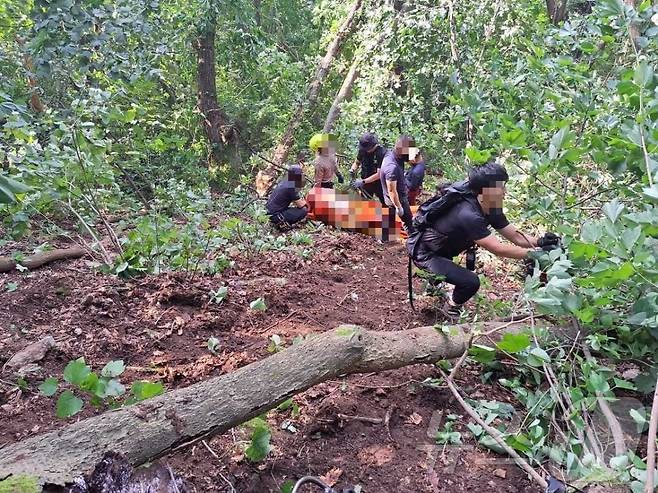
[(7, 264), (147, 430)]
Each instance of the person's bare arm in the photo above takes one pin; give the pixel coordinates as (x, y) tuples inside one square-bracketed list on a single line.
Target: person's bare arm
[(372, 178), (355, 165), (517, 237), (299, 203), (500, 249), (393, 193), (318, 176)]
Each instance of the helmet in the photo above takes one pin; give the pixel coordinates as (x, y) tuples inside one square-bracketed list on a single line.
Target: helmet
[(319, 140)]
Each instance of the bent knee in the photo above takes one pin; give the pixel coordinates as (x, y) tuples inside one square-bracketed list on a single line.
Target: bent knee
[(473, 282)]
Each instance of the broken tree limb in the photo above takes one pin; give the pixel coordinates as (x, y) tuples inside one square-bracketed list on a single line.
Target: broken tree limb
[(651, 443), (151, 428), (7, 264), (266, 177), (343, 94), (495, 434)]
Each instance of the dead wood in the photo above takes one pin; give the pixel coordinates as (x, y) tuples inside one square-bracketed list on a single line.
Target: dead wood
[(7, 264), (31, 354), (147, 430), (266, 177)]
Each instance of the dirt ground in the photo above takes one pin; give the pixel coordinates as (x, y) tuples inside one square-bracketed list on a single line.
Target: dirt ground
[(160, 325)]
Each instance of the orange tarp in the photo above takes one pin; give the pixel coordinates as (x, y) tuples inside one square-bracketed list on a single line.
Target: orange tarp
[(353, 213)]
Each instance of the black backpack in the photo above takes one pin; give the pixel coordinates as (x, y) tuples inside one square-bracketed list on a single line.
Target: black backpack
[(428, 212)]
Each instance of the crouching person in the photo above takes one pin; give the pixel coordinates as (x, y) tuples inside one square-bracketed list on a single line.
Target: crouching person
[(465, 222), (285, 206)]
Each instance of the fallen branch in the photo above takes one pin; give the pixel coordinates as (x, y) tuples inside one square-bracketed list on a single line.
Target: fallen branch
[(149, 429), (7, 264), (363, 419), (494, 433)]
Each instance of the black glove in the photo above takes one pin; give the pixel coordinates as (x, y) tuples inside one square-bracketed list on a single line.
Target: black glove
[(339, 175), (549, 239)]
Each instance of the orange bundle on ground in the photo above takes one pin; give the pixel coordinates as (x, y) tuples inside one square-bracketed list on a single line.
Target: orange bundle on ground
[(352, 213)]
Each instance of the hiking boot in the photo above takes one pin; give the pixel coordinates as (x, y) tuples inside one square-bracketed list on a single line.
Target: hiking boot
[(434, 290), (452, 312)]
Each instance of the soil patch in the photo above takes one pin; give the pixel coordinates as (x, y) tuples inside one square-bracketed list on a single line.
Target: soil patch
[(376, 431)]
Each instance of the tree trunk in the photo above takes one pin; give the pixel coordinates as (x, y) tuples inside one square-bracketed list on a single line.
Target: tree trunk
[(35, 101), (633, 29), (149, 429), (266, 177), (257, 11), (344, 93), (557, 10), (213, 119), (7, 264)]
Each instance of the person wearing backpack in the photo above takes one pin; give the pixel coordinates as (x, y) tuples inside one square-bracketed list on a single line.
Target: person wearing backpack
[(457, 221)]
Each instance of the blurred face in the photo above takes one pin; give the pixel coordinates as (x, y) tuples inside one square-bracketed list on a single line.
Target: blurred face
[(328, 147), (406, 150), (372, 149), (493, 196)]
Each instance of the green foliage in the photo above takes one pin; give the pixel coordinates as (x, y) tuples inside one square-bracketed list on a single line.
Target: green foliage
[(513, 343), (448, 436), (276, 344), (99, 389), (213, 344), (218, 295), (258, 305), (68, 405), (259, 446), (142, 390), (572, 109), (20, 484), (49, 386)]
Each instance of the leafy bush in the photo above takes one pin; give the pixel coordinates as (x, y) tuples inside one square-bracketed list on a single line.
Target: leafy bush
[(103, 389)]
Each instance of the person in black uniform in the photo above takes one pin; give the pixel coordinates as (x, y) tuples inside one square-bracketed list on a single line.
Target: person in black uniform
[(285, 206), (467, 224), (369, 158)]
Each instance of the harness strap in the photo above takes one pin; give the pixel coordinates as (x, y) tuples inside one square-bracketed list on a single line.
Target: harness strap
[(412, 257)]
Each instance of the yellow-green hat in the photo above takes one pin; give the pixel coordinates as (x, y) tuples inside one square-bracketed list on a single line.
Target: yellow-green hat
[(319, 140)]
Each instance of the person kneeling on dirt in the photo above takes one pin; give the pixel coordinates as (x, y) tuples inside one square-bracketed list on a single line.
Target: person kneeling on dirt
[(279, 208), (414, 177), (325, 163), (466, 224), (369, 158)]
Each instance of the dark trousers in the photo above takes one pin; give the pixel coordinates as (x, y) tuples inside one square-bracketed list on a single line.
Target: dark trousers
[(466, 282), (374, 189), (291, 215), (406, 215)]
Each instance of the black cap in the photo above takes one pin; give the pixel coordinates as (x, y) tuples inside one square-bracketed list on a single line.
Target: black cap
[(368, 141), (294, 171)]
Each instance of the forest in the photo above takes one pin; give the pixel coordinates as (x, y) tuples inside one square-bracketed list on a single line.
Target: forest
[(164, 329)]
